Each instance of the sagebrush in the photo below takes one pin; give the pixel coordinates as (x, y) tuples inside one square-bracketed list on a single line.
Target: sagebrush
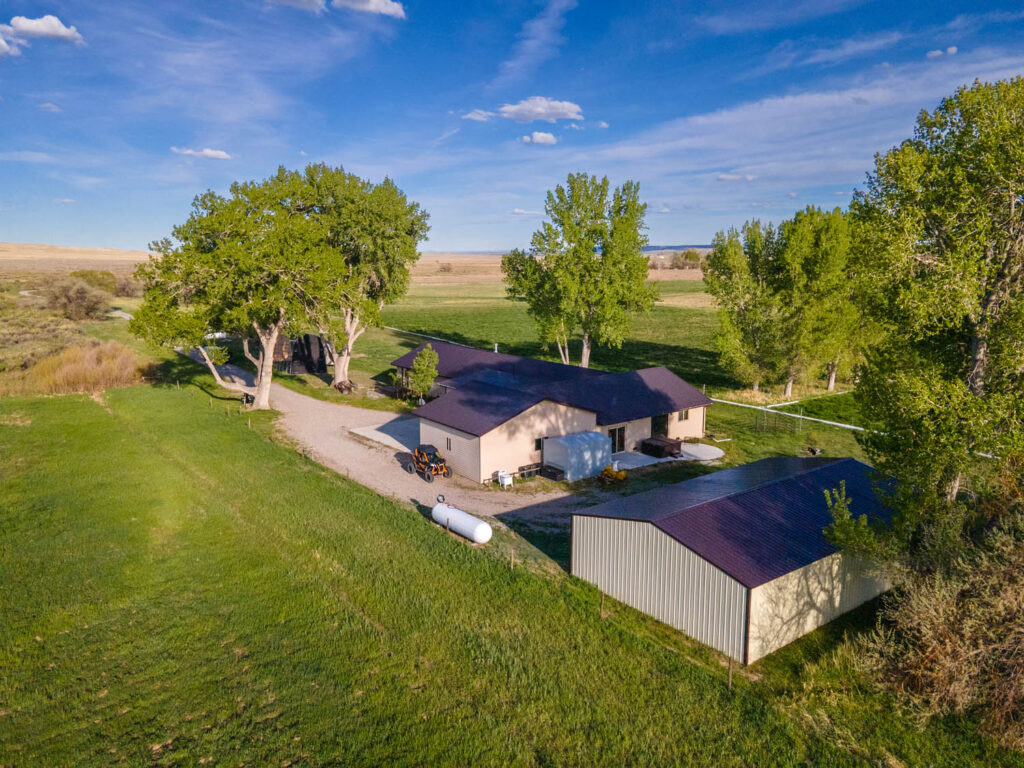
[(77, 299), (77, 370)]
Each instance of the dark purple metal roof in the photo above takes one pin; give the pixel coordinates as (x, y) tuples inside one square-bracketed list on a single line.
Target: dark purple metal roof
[(613, 397), (758, 521), (477, 408)]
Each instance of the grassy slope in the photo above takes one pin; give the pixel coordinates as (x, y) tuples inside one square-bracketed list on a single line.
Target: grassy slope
[(184, 588)]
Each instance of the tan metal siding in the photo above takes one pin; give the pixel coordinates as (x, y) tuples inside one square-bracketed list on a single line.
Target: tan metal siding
[(464, 455), (639, 565), (792, 605)]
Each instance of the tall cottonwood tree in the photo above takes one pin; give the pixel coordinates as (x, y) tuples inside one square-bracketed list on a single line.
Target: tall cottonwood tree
[(248, 264), (940, 228), (373, 233), (738, 274), (585, 272)]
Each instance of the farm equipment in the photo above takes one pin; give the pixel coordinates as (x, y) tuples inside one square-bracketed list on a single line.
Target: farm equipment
[(428, 462)]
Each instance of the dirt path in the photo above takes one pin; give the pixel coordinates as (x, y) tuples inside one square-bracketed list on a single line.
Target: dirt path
[(323, 431)]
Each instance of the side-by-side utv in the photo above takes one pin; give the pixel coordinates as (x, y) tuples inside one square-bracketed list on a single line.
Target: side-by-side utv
[(429, 463)]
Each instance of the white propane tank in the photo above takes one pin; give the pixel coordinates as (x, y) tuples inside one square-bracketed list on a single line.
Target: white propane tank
[(462, 523)]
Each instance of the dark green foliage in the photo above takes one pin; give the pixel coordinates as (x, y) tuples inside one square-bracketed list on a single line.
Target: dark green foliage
[(76, 299), (98, 278)]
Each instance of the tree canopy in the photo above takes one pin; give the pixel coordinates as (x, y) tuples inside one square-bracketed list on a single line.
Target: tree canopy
[(247, 264), (586, 272)]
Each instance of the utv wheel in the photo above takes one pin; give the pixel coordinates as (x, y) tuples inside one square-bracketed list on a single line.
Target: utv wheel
[(428, 476), (410, 468), (446, 472)]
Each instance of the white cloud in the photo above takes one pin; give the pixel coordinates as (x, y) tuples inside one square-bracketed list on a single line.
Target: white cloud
[(47, 106), (664, 209), (576, 126), (540, 137), (791, 195), (938, 52), (735, 177), (16, 35), (541, 108), (63, 200), (538, 41), (479, 115), (789, 53), (602, 124), (523, 212), (213, 154), (382, 7)]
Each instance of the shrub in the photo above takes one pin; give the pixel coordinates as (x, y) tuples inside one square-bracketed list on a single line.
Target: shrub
[(76, 370), (688, 259), (446, 267), (128, 286), (76, 299), (97, 278), (29, 333), (423, 372)]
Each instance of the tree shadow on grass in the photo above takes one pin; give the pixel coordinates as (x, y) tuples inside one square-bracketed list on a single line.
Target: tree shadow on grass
[(698, 366), (181, 371)]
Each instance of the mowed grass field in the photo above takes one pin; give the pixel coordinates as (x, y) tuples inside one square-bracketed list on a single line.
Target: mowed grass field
[(179, 589)]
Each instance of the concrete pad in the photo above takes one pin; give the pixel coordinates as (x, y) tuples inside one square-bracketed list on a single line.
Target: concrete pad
[(634, 460), (700, 452), (401, 433)]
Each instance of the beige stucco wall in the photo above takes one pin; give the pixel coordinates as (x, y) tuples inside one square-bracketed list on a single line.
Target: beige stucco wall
[(641, 566), (692, 427), (635, 432), (464, 455), (510, 446), (801, 601)]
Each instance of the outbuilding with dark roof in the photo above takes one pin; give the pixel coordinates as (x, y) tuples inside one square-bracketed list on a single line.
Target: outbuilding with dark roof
[(737, 559)]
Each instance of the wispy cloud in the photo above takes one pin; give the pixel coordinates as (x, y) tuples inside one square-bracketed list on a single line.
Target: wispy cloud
[(735, 177), (48, 106), (538, 41), (540, 137), (790, 53), (317, 6), (63, 200), (382, 7), (213, 154), (939, 52), (523, 212), (541, 108), (765, 14), (26, 156), (478, 115)]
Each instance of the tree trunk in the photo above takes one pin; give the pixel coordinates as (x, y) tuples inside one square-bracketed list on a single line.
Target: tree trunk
[(789, 387), (953, 489), (757, 385), (832, 368), (585, 354), (343, 354), (979, 361), (265, 368), (563, 351), (233, 386)]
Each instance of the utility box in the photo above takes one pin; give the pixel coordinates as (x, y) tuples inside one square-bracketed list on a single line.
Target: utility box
[(579, 455)]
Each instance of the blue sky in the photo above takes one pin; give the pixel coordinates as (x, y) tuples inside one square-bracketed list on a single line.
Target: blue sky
[(114, 115)]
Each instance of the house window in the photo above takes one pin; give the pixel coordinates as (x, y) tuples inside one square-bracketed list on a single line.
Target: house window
[(448, 444), (618, 436), (684, 415), (538, 444)]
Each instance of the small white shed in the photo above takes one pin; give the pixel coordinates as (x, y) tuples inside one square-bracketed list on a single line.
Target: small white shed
[(737, 559), (579, 455)]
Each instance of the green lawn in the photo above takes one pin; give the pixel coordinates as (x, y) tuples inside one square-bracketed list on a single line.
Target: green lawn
[(842, 408), (479, 314), (178, 588)]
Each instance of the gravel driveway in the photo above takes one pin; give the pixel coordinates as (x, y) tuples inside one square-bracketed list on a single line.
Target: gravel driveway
[(324, 431)]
